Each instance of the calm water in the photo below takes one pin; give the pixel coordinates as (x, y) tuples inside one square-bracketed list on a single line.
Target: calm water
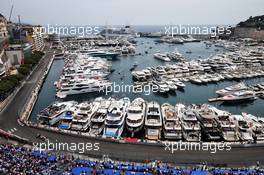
[(122, 75)]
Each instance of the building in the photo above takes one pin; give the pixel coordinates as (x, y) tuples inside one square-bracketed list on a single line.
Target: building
[(38, 38), (3, 27), (3, 44), (14, 54)]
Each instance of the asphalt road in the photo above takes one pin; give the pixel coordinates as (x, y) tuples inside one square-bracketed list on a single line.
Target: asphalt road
[(133, 152)]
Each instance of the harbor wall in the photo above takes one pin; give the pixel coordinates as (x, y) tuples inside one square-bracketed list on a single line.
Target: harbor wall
[(246, 32)]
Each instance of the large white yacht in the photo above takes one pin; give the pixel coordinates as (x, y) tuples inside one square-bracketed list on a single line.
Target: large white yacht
[(227, 128), (209, 125), (98, 117), (82, 116), (162, 57), (256, 126), (136, 112), (153, 121), (115, 118), (66, 118), (51, 114), (190, 125), (232, 89), (171, 122), (245, 133), (81, 86)]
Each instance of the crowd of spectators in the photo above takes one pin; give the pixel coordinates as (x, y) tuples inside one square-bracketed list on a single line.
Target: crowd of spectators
[(19, 160)]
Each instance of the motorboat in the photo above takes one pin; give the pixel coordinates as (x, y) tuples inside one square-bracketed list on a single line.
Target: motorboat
[(171, 122), (51, 114), (256, 126), (162, 57), (239, 96), (232, 89), (115, 118), (81, 86), (190, 125), (208, 121), (244, 131), (153, 121), (227, 128), (136, 112), (82, 116), (99, 116)]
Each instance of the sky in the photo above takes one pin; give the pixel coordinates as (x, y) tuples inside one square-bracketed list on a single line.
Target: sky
[(132, 12)]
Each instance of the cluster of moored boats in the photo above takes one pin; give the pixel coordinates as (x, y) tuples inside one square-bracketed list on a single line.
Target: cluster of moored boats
[(236, 65), (82, 74), (168, 56), (112, 117)]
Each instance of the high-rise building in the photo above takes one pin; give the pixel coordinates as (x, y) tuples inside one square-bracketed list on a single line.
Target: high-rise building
[(38, 39)]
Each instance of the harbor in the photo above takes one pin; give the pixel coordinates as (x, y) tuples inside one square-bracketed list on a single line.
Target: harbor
[(191, 93), (73, 97)]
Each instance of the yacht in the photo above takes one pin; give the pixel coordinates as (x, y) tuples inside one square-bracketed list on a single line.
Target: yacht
[(98, 117), (162, 57), (66, 119), (153, 121), (209, 125), (136, 112), (178, 83), (138, 75), (115, 118), (82, 116), (244, 131), (227, 128), (239, 97), (100, 53), (171, 122), (175, 55), (123, 32), (81, 86), (171, 85), (256, 126), (232, 89), (190, 125), (50, 115), (162, 86)]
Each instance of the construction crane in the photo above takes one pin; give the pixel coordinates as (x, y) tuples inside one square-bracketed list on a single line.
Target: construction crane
[(10, 14)]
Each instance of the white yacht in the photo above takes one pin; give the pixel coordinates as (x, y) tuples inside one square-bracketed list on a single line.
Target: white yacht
[(176, 55), (82, 116), (162, 57), (244, 131), (171, 122), (209, 125), (190, 125), (115, 118), (81, 86), (66, 118), (232, 89), (51, 114), (162, 86), (227, 128), (172, 86), (256, 126), (98, 117), (136, 112), (153, 121)]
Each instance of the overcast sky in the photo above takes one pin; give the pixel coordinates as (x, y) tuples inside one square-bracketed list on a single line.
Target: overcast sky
[(132, 12)]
